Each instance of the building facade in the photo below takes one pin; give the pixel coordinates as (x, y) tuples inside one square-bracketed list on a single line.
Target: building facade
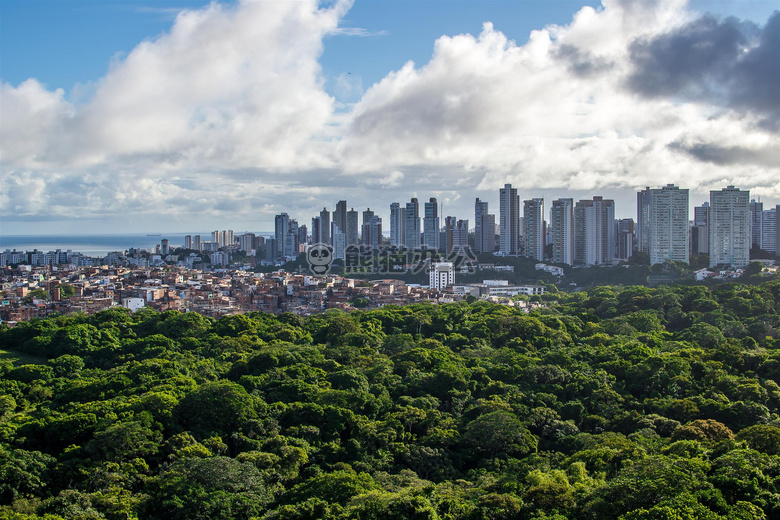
[(509, 220), (533, 228), (441, 275), (730, 227), (668, 226), (412, 224), (431, 225), (594, 232), (562, 227)]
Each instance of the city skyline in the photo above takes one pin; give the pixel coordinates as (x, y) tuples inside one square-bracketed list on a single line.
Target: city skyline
[(667, 93)]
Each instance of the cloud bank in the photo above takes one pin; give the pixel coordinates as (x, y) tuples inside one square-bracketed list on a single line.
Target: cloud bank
[(226, 114)]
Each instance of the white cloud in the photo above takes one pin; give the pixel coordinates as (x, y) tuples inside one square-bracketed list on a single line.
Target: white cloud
[(552, 113), (226, 114), (227, 86)]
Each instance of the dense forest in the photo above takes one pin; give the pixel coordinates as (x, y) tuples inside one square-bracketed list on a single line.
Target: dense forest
[(621, 402)]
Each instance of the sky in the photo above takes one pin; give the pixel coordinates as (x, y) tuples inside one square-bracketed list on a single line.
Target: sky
[(181, 115)]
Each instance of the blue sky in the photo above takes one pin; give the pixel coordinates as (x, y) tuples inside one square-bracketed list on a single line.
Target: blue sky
[(357, 124), (64, 43)]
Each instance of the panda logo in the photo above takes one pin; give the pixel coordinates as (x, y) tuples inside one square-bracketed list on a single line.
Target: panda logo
[(319, 256)]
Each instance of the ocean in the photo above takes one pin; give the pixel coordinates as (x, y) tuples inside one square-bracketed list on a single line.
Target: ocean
[(95, 245)]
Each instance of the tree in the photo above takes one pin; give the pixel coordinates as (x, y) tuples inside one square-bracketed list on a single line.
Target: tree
[(205, 489), (499, 433), (220, 407), (762, 437), (22, 473), (66, 290)]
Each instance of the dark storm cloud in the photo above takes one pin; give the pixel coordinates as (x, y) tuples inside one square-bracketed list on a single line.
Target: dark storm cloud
[(732, 63), (725, 155), (582, 63)]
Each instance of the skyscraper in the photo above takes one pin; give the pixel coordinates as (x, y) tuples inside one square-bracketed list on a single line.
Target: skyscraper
[(291, 240), (367, 214), (449, 231), (484, 228), (769, 230), (352, 227), (460, 237), (281, 229), (412, 225), (365, 233), (303, 237), (562, 224), (730, 231), (700, 231), (509, 222), (396, 225), (668, 227), (187, 241), (340, 215), (643, 220), (624, 238), (756, 214), (339, 239), (372, 232), (594, 232), (246, 242), (316, 230), (431, 225), (196, 243), (533, 228), (324, 236)]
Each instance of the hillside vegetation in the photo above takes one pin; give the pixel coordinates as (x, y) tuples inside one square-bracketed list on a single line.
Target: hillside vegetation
[(625, 403)]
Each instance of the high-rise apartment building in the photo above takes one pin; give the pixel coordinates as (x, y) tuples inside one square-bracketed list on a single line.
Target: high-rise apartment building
[(509, 220), (316, 230), (756, 214), (324, 235), (594, 231), (431, 225), (291, 240), (643, 220), (196, 243), (562, 224), (339, 240), (412, 225), (165, 247), (340, 215), (367, 214), (730, 227), (460, 237), (624, 238), (187, 241), (396, 224), (769, 230), (668, 225), (303, 238), (700, 231), (246, 242), (372, 232), (777, 230), (533, 228), (484, 228), (352, 227), (281, 230)]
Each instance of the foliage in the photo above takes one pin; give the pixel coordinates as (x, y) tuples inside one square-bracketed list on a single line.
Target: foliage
[(617, 402)]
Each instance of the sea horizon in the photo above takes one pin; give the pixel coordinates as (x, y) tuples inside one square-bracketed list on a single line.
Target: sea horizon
[(98, 244)]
